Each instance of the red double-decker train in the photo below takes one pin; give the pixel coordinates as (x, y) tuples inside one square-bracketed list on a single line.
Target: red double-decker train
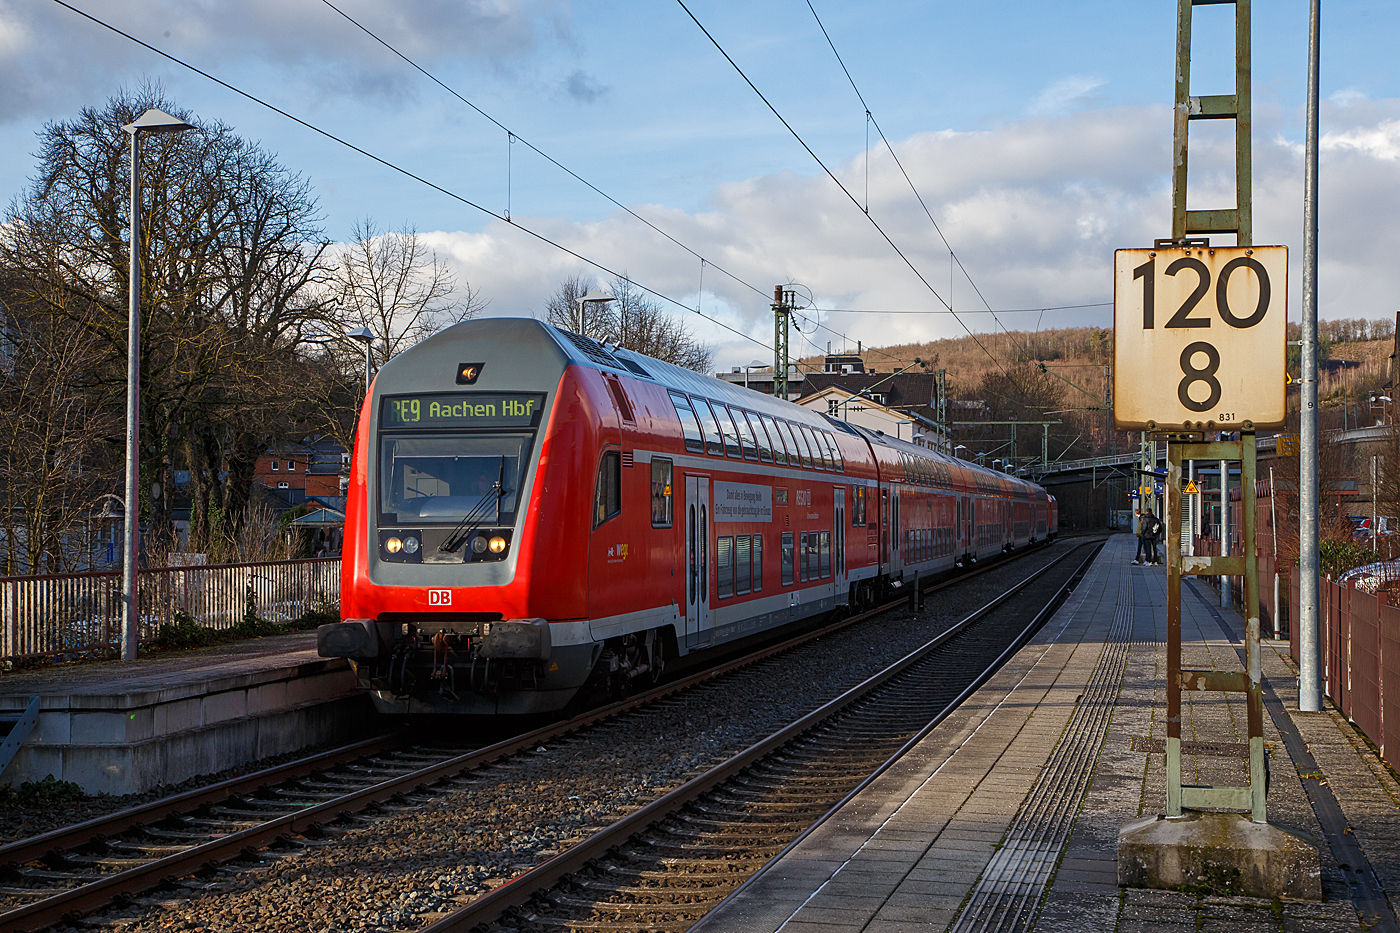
[(532, 513)]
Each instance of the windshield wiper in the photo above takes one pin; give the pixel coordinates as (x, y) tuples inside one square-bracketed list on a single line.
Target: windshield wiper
[(473, 519)]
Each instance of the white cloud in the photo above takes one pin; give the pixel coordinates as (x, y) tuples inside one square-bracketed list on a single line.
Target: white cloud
[(1034, 210), (38, 64), (1379, 142), (1064, 95)]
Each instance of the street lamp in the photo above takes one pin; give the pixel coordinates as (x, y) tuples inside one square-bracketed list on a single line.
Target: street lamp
[(365, 336), (896, 427), (958, 448), (751, 365), (595, 296), (152, 121)]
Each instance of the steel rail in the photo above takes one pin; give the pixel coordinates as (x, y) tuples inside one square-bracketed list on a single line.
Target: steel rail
[(102, 827), (520, 889), (74, 902)]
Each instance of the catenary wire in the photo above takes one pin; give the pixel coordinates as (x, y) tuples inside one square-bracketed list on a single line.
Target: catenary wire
[(871, 118), (844, 189), (1096, 304), (402, 171), (535, 149)]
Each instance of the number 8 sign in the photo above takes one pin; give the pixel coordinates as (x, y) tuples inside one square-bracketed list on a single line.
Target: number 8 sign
[(1199, 338)]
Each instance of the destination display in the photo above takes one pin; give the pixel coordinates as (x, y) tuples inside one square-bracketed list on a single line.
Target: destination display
[(461, 410)]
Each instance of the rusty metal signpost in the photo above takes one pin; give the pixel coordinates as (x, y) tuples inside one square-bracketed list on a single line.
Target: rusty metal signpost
[(1199, 349)]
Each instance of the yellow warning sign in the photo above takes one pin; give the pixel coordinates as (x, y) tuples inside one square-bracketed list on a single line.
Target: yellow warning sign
[(1191, 489), (1145, 490)]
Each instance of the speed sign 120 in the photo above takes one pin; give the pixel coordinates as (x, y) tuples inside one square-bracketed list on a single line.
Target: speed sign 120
[(1199, 337)]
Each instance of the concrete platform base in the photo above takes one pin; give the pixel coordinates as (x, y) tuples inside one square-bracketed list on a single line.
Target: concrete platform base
[(1223, 853), (124, 727)]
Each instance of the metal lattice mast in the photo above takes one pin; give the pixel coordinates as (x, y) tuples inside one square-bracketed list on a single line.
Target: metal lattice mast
[(1185, 225), (782, 313)]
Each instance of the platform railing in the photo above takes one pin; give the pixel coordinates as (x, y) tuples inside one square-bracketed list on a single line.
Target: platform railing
[(1360, 642), (79, 613)]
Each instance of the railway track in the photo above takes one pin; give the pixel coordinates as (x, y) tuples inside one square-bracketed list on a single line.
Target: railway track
[(64, 874), (663, 867)]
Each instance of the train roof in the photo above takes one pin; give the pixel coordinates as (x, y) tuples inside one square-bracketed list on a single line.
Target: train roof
[(585, 351), (1004, 481), (523, 345)]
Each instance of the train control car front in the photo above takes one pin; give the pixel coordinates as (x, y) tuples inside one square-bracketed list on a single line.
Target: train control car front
[(461, 589)]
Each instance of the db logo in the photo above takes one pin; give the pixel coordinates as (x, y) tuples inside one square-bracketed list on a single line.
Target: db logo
[(439, 597)]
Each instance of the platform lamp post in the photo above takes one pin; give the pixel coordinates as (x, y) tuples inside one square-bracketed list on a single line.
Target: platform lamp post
[(958, 448), (152, 121), (583, 300), (365, 336), (753, 364)]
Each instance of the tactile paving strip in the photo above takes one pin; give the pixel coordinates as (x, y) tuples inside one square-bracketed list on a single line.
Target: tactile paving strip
[(1005, 898)]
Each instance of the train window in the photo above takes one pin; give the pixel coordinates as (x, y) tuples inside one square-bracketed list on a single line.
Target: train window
[(765, 449), (726, 425), (835, 449), (821, 440), (798, 453), (757, 563), (607, 498), (787, 559), (690, 425), (746, 439), (714, 443), (427, 479), (825, 555), (802, 559), (857, 506), (661, 499), (779, 451), (690, 532), (743, 554), (818, 455), (804, 456), (724, 556)]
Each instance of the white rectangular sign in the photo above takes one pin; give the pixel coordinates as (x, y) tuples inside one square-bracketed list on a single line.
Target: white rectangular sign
[(1199, 338), (742, 502)]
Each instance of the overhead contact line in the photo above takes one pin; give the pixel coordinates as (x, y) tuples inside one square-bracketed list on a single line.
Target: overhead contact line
[(400, 169)]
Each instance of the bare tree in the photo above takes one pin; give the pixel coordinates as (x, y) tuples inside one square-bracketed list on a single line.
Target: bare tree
[(227, 285), (594, 319), (55, 464), (392, 283), (644, 326), (632, 320)]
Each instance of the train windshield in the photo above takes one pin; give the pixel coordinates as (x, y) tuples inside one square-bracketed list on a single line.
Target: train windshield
[(441, 479)]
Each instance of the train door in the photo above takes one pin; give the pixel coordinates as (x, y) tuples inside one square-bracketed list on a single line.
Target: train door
[(698, 618), (897, 555), (884, 527), (838, 512)]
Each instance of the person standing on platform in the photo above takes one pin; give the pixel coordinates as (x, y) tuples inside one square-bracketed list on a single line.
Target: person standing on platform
[(1152, 532), (1140, 529)]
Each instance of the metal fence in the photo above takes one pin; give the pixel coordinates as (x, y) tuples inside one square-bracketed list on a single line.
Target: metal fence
[(81, 612), (1360, 648)]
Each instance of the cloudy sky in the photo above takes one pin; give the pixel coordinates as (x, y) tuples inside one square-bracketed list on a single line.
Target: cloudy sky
[(1037, 134)]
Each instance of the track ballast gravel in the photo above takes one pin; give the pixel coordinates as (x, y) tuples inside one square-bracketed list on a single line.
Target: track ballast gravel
[(400, 866)]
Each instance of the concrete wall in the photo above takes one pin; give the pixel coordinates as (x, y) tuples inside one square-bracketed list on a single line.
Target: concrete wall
[(129, 743)]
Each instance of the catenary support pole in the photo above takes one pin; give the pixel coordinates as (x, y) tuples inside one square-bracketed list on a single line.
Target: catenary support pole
[(1308, 557)]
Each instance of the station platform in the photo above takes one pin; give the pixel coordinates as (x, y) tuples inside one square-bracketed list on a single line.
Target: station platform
[(122, 727), (1006, 816)]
